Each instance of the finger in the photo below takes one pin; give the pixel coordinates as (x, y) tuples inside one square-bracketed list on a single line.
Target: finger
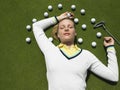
[(71, 15), (107, 38), (66, 13)]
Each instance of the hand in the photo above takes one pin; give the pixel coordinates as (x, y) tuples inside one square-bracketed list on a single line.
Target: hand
[(108, 41), (65, 15)]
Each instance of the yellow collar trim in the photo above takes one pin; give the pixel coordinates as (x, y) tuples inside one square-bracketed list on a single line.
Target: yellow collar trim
[(69, 51), (66, 47)]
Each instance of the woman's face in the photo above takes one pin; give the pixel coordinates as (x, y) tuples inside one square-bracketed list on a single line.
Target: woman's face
[(66, 31)]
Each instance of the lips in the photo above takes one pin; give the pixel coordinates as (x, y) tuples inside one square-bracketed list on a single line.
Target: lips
[(66, 34)]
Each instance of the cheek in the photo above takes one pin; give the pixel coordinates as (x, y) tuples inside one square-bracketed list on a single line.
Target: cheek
[(59, 34), (74, 32)]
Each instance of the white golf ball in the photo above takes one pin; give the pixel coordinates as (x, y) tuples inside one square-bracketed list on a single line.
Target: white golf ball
[(50, 7), (93, 44), (28, 27), (73, 7), (99, 34), (60, 6), (68, 14), (80, 40), (46, 14), (82, 11), (93, 20), (84, 26), (28, 40), (50, 39), (76, 20), (34, 20)]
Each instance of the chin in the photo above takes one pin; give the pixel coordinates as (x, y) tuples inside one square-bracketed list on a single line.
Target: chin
[(68, 40)]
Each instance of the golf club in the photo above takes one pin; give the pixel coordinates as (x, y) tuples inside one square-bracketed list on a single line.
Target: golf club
[(102, 24), (99, 24)]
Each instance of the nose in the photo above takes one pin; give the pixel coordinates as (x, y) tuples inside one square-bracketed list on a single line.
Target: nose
[(66, 29)]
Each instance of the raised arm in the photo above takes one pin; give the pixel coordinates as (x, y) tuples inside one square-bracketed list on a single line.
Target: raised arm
[(39, 27), (45, 23), (38, 30), (109, 72)]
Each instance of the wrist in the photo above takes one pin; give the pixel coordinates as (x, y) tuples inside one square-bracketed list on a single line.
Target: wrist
[(57, 19), (110, 48)]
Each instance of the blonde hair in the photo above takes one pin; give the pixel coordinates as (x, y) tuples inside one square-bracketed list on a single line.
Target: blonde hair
[(55, 31)]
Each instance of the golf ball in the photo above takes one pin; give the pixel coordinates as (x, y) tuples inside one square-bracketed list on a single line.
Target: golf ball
[(28, 40), (99, 34), (59, 6), (50, 39), (73, 7), (93, 44), (82, 11), (80, 40), (46, 14), (93, 20), (68, 14), (34, 20), (84, 26), (76, 20), (50, 7), (28, 27)]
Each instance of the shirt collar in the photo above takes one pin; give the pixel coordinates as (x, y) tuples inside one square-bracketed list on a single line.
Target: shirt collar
[(61, 45)]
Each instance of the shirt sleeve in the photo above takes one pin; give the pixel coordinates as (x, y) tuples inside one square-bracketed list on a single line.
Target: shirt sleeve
[(38, 30), (109, 72)]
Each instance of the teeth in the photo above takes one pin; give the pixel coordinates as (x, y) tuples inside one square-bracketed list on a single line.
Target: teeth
[(66, 34)]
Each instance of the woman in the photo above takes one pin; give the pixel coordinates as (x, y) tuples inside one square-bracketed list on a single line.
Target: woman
[(67, 64)]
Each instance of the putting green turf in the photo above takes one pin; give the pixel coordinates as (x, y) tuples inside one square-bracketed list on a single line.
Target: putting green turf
[(22, 65)]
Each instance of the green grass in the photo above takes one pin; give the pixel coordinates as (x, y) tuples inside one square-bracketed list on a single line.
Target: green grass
[(22, 65)]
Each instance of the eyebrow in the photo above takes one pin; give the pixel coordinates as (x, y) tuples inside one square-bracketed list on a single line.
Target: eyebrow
[(68, 25)]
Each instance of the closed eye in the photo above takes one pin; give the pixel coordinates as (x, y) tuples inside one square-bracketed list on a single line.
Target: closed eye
[(61, 27), (71, 27)]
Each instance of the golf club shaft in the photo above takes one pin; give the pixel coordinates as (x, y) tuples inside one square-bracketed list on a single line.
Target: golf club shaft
[(111, 35)]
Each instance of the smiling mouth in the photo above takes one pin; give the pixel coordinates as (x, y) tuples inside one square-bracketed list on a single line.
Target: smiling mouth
[(66, 34)]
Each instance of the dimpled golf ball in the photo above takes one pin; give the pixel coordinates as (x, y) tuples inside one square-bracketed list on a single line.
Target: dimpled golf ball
[(80, 40), (82, 11), (60, 6), (76, 20), (84, 26), (28, 40), (99, 34), (93, 20), (28, 27), (73, 7), (50, 8), (46, 14), (34, 20), (93, 44), (50, 39)]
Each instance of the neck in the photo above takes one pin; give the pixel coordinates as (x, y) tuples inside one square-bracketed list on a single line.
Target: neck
[(68, 44)]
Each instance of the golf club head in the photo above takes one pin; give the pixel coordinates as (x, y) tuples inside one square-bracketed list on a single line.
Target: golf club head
[(99, 24)]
